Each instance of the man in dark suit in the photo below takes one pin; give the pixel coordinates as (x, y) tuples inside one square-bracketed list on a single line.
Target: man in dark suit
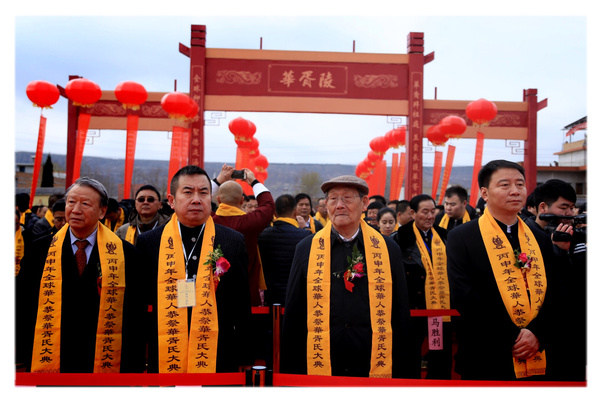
[(68, 282), (502, 282), (193, 265)]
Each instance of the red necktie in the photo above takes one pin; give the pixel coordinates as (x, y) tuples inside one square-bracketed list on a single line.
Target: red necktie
[(80, 256)]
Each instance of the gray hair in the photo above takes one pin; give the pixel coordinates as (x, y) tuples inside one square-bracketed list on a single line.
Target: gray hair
[(93, 184)]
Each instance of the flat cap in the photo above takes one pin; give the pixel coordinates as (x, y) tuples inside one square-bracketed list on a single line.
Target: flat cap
[(346, 180)]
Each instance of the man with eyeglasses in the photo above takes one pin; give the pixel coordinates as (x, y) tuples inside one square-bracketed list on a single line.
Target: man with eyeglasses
[(146, 216), (346, 310)]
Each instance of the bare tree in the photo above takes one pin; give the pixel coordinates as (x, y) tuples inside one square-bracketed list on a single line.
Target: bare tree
[(310, 183)]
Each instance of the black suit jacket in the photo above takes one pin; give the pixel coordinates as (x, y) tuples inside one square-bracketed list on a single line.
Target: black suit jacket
[(233, 297), (486, 333), (80, 307)]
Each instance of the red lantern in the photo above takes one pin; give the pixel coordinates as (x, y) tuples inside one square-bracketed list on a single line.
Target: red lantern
[(452, 126), (194, 108), (261, 176), (83, 92), (435, 136), (399, 135), (177, 105), (42, 94), (481, 112), (242, 130), (379, 145), (131, 94), (261, 163), (373, 158), (362, 170)]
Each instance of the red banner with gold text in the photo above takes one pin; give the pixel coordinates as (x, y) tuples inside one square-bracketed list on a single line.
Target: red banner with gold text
[(38, 158)]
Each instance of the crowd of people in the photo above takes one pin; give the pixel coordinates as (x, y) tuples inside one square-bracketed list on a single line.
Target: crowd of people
[(145, 285)]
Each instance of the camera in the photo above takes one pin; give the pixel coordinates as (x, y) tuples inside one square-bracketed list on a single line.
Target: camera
[(554, 220), (238, 174)]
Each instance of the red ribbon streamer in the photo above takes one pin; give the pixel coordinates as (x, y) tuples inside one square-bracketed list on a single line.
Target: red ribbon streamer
[(83, 124), (437, 171), (132, 127), (175, 157), (476, 169), (447, 171), (38, 158), (394, 178)]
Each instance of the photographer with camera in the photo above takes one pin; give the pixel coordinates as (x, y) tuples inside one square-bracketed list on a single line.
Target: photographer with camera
[(555, 202)]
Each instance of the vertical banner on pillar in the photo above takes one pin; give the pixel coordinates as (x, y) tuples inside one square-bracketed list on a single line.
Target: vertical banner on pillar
[(476, 167), (185, 147), (175, 157), (401, 169), (82, 127), (38, 158), (132, 128), (394, 178), (447, 171), (414, 150), (374, 184), (437, 172)]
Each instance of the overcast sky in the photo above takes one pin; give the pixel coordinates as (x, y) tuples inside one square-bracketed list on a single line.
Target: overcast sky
[(475, 57)]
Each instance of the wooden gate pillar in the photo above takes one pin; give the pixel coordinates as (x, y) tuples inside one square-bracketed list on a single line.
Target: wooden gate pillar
[(197, 55), (530, 145)]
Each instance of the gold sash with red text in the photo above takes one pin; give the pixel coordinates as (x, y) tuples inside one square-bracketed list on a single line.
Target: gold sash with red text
[(178, 352), (521, 306), (46, 346), (318, 289), (437, 287)]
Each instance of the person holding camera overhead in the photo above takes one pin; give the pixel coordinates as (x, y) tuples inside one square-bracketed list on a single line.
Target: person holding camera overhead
[(230, 198), (555, 201)]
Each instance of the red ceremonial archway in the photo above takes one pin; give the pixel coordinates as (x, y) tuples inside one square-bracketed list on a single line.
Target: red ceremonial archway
[(318, 82)]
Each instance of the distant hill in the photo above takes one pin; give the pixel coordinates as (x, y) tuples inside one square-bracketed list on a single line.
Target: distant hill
[(283, 178)]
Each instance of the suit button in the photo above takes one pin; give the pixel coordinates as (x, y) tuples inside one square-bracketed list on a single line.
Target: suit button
[(419, 293), (348, 325)]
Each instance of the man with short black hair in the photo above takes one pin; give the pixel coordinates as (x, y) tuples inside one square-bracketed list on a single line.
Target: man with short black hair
[(115, 215), (502, 282), (195, 268), (423, 246), (456, 208), (403, 214), (304, 213), (147, 215)]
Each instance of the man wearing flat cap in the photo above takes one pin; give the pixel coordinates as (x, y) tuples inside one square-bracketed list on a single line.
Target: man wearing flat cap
[(347, 308)]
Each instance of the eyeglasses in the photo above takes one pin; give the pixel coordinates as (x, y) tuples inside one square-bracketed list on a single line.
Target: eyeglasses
[(142, 199), (345, 200)]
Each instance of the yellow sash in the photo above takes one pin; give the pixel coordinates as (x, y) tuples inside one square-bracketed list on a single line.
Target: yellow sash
[(119, 222), (176, 352), (225, 210), (521, 306), (321, 218), (46, 346), (130, 235), (291, 221), (437, 288), (19, 250), (50, 218), (22, 220), (318, 289), (446, 219), (311, 221)]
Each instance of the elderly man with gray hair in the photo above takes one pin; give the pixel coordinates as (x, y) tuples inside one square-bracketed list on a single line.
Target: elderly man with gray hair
[(346, 307), (79, 294)]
